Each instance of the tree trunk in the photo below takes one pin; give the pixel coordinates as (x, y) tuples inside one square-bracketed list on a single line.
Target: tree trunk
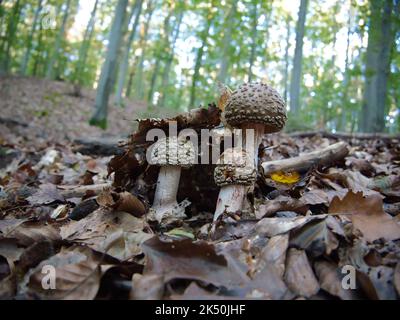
[(139, 74), (10, 37), (124, 66), (58, 43), (107, 76), (27, 55), (226, 43), (168, 64), (83, 50), (297, 61), (156, 70), (286, 72), (199, 57), (346, 76), (380, 43), (254, 40)]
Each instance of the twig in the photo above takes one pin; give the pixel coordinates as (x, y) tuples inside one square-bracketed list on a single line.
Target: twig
[(303, 162)]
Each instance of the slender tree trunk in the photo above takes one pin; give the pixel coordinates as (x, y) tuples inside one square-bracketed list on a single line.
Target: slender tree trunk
[(254, 15), (10, 37), (295, 83), (380, 43), (107, 76), (124, 66), (286, 72), (164, 43), (226, 43), (58, 43), (168, 64), (139, 86), (197, 66), (25, 61), (83, 50), (346, 76)]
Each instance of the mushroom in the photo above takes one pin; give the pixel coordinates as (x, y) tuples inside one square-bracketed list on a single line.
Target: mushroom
[(171, 154), (255, 106), (234, 173)]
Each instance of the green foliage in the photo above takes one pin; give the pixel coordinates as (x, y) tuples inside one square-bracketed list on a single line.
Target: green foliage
[(331, 94)]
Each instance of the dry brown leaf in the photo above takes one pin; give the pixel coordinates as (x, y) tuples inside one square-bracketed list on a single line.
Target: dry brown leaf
[(190, 260), (77, 275), (273, 226), (367, 215), (46, 194), (274, 253), (147, 287), (330, 279), (299, 275)]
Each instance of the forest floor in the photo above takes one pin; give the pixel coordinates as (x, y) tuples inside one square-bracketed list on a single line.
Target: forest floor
[(58, 208)]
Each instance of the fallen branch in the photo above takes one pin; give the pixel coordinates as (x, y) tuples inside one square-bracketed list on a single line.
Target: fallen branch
[(303, 162), (80, 191), (345, 135)]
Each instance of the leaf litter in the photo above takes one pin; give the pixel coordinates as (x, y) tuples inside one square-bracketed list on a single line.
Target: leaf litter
[(89, 217)]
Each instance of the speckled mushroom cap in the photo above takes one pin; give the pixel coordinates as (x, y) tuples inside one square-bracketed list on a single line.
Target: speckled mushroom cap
[(174, 152), (256, 103), (234, 167)]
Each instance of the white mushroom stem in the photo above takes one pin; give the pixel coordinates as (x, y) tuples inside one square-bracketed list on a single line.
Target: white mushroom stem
[(166, 190), (230, 199), (252, 135)]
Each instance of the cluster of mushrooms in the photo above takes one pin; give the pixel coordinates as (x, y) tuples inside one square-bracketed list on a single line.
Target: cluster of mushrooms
[(256, 109)]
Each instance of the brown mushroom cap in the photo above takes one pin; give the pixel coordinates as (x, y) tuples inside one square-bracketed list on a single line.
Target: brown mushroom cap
[(256, 103), (173, 152), (234, 167)]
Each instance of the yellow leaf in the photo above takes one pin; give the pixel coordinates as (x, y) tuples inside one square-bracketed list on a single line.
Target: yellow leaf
[(285, 177)]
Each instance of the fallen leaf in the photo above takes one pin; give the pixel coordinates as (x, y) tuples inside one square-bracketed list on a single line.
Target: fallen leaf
[(330, 279), (299, 275), (273, 226), (147, 287), (77, 273), (185, 259), (48, 193), (286, 177), (315, 238), (367, 215)]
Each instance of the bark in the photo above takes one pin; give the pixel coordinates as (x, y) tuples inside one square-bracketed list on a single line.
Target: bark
[(58, 43), (5, 50), (226, 43), (297, 61), (346, 76), (305, 161), (124, 66), (380, 43), (286, 72), (83, 51), (168, 64), (254, 40), (199, 57), (158, 60), (139, 73), (27, 55), (107, 76)]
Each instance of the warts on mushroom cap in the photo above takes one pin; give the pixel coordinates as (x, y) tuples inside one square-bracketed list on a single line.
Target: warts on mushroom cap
[(256, 103), (174, 152)]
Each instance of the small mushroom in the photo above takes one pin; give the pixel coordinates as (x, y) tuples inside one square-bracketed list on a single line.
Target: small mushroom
[(256, 106), (234, 174), (171, 154)]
